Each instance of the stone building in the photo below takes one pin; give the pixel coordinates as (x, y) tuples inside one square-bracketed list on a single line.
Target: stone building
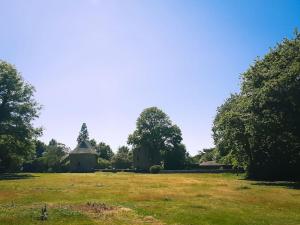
[(83, 158)]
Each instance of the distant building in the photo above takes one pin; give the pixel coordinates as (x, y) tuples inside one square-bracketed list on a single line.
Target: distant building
[(83, 158), (211, 163), (214, 165)]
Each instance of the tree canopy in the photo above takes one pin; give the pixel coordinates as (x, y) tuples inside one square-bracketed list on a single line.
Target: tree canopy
[(123, 158), (104, 151), (156, 134), (18, 109), (259, 128), (53, 158)]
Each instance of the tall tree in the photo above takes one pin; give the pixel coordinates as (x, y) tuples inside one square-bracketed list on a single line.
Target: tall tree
[(18, 109), (260, 127), (156, 135), (83, 134), (230, 133)]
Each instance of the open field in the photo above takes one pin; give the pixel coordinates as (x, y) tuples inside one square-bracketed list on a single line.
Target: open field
[(127, 198)]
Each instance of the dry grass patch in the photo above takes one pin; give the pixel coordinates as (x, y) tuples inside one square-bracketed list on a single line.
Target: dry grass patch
[(139, 199), (93, 209)]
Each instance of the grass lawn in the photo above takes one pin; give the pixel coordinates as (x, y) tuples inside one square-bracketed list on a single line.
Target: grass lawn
[(128, 198)]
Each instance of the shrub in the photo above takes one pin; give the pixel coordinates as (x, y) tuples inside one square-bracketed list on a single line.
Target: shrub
[(155, 169), (103, 163), (36, 165), (65, 166), (121, 161)]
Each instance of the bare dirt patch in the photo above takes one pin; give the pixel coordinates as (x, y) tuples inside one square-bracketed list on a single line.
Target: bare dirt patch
[(95, 209), (107, 213), (152, 220)]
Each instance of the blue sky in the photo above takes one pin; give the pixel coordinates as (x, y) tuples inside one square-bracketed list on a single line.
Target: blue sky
[(103, 61)]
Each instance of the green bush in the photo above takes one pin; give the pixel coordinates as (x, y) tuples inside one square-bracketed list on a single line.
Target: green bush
[(155, 169), (36, 165), (121, 161), (103, 164)]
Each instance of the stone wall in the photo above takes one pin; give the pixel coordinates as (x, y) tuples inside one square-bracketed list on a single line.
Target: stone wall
[(83, 162)]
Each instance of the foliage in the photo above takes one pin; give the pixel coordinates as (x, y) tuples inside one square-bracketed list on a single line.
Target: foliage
[(208, 154), (196, 158), (123, 158), (83, 134), (156, 134), (93, 143), (103, 163), (259, 128), (54, 155), (54, 159), (155, 169), (175, 158), (36, 165), (104, 151), (40, 148), (17, 111)]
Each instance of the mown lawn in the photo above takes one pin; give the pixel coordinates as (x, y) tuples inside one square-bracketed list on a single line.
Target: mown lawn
[(127, 198)]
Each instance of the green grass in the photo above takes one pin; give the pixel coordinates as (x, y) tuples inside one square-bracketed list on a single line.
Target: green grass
[(223, 199)]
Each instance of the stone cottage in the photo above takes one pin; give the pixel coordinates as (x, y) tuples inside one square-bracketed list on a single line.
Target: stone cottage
[(83, 158)]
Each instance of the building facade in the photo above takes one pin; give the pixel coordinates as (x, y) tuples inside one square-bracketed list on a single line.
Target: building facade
[(83, 158)]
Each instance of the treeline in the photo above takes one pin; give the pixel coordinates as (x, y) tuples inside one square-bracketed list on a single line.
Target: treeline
[(159, 138), (259, 127), (54, 157)]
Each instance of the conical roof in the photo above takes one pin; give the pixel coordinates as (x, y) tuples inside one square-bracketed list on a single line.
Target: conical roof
[(83, 147)]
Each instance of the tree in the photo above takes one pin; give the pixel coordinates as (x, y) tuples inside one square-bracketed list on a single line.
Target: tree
[(54, 154), (18, 109), (53, 159), (83, 134), (208, 154), (53, 142), (123, 158), (104, 151), (156, 135), (175, 158), (260, 127), (40, 148), (93, 143), (230, 134)]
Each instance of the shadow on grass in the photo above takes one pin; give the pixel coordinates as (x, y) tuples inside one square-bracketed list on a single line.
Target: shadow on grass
[(15, 176), (291, 185)]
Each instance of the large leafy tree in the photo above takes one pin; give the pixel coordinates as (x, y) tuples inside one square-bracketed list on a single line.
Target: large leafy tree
[(260, 127), (83, 134), (18, 109), (156, 134), (230, 134)]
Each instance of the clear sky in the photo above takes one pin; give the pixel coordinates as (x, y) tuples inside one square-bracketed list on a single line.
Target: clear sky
[(103, 61)]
